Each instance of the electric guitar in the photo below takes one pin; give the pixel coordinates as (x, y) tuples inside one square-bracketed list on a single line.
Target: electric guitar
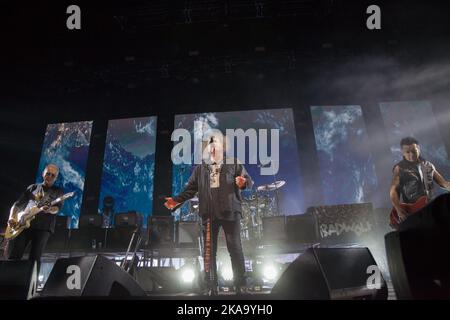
[(22, 220), (409, 208)]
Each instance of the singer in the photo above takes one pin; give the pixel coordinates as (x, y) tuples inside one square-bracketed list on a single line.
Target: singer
[(219, 186)]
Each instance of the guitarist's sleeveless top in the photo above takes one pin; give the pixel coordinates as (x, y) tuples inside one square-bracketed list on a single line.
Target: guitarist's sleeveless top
[(415, 180)]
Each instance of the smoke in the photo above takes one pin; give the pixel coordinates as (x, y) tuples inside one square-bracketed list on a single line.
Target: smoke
[(371, 78)]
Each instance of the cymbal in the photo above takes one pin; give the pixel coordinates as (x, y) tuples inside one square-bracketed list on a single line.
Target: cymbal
[(273, 186)]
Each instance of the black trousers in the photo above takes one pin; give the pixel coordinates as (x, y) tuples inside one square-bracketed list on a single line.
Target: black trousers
[(232, 230), (38, 239)]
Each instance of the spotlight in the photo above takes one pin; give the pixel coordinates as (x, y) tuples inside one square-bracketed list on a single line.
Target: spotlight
[(227, 273), (187, 275), (270, 273)]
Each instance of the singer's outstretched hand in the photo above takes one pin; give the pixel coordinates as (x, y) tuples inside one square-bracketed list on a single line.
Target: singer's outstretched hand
[(170, 203), (241, 182)]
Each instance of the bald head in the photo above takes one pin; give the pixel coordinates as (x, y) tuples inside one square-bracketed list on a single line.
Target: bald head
[(50, 174)]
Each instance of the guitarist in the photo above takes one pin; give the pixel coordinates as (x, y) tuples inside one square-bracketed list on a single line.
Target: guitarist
[(44, 222), (413, 178)]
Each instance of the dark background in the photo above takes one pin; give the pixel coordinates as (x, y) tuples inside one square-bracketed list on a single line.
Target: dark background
[(140, 58)]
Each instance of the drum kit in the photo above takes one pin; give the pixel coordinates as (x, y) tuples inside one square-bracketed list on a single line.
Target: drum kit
[(264, 202)]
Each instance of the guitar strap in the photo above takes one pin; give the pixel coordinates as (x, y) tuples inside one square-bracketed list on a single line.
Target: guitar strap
[(423, 173)]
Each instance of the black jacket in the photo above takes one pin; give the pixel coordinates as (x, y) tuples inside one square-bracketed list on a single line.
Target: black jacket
[(42, 221), (230, 198)]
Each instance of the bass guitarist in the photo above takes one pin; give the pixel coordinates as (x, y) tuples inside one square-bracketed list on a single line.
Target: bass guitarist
[(412, 182), (43, 224)]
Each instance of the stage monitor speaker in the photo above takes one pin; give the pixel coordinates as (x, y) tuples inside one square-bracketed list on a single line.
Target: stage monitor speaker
[(302, 228), (90, 276), (161, 231), (419, 264), (18, 280), (274, 228), (159, 279), (188, 234), (332, 274), (435, 215)]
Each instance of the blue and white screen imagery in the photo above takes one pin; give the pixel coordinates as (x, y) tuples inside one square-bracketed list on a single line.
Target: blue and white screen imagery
[(290, 195), (67, 146), (347, 171), (128, 167)]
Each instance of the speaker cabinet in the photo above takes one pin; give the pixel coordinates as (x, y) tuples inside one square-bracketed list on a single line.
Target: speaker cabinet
[(18, 279), (59, 240), (187, 235), (418, 263), (436, 215), (344, 223), (161, 231), (128, 219), (87, 239), (417, 254), (332, 274), (90, 220), (119, 238), (90, 276), (159, 279), (274, 229), (302, 228)]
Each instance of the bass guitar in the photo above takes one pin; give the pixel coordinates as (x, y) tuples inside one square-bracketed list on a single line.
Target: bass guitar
[(409, 208)]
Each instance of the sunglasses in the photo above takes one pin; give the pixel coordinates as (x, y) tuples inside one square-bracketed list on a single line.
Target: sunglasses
[(49, 174)]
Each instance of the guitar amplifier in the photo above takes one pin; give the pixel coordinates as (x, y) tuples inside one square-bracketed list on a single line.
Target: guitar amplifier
[(90, 220), (128, 219), (274, 228), (161, 231), (187, 234), (302, 228), (119, 238), (87, 239), (59, 240), (62, 222), (345, 223)]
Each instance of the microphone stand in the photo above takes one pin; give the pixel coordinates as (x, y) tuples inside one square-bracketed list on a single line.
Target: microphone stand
[(212, 286), (276, 192), (181, 177), (124, 265)]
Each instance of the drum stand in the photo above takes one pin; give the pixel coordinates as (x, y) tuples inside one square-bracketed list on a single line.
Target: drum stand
[(276, 194), (125, 265)]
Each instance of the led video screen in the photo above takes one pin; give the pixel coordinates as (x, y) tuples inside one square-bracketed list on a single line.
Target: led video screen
[(347, 171), (67, 146), (128, 168), (416, 119), (270, 132)]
